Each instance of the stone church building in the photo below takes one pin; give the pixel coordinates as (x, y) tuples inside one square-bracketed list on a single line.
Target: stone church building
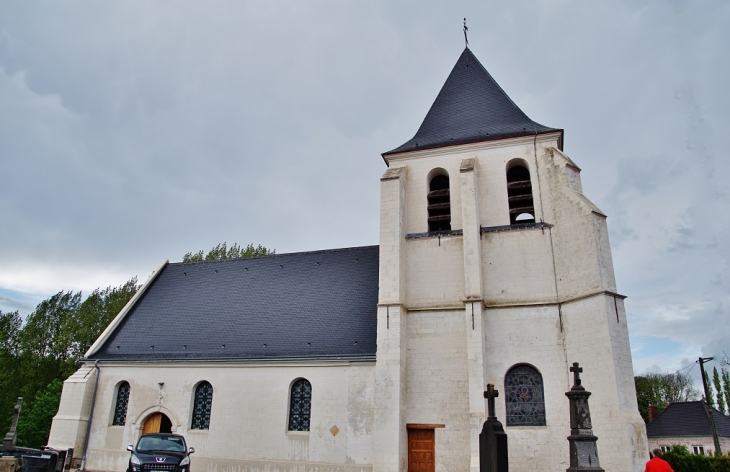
[(492, 267)]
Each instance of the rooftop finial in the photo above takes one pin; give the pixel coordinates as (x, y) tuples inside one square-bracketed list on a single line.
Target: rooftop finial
[(466, 28)]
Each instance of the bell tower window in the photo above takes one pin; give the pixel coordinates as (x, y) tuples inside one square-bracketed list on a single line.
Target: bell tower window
[(519, 195), (439, 202)]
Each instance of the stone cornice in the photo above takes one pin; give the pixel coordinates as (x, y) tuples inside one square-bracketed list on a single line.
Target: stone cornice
[(235, 363), (473, 147)]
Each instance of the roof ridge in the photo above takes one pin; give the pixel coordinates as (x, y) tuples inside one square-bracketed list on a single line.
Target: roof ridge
[(283, 254)]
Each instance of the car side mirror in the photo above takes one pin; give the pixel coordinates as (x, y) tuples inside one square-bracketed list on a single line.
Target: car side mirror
[(130, 448), (191, 450)]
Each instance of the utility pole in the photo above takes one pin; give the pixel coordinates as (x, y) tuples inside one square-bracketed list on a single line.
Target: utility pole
[(702, 361)]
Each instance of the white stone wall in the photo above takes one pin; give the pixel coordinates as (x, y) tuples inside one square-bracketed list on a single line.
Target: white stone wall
[(549, 295), (597, 338), (705, 441), (531, 335), (435, 272), (517, 267), (491, 160), (437, 383), (70, 423), (249, 418)]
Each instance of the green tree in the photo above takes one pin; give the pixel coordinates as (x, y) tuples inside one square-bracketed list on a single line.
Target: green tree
[(45, 352), (48, 346), (710, 392), (726, 387), (95, 314), (661, 389), (43, 334), (10, 324), (34, 423), (221, 251), (720, 397)]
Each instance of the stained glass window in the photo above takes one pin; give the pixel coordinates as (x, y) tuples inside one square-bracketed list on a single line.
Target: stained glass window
[(300, 409), (524, 397), (120, 409), (202, 405)]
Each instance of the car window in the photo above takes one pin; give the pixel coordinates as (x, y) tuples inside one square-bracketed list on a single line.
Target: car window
[(161, 443)]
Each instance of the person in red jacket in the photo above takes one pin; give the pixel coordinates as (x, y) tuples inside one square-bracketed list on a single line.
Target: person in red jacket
[(657, 464)]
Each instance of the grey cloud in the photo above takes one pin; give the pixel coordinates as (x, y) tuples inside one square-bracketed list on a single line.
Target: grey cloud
[(135, 131)]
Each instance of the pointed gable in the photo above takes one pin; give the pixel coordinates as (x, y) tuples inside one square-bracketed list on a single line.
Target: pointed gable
[(470, 107)]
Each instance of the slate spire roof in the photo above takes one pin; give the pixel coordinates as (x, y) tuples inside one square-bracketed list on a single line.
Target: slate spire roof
[(687, 419), (470, 107)]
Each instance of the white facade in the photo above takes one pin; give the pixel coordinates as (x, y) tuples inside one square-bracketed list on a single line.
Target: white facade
[(455, 312), (692, 443)]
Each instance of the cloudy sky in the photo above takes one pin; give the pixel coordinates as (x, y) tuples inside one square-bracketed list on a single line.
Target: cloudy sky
[(134, 132)]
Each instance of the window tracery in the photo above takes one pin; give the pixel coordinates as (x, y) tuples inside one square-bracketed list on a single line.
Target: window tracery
[(202, 405), (300, 405), (120, 407), (524, 397)]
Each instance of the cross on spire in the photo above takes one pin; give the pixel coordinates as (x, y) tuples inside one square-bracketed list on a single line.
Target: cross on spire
[(466, 28), (576, 374), (490, 394)]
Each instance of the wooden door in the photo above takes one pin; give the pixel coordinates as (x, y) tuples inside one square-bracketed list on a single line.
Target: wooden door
[(152, 423), (421, 447)]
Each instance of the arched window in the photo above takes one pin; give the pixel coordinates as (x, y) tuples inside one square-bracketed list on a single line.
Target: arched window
[(201, 406), (120, 408), (524, 397), (300, 405), (439, 202), (519, 195)]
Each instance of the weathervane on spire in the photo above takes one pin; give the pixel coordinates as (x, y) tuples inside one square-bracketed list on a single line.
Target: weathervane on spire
[(466, 28)]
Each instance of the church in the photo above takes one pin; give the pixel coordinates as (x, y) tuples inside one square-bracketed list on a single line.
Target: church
[(492, 267)]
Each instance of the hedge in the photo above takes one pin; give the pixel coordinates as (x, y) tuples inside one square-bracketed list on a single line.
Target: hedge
[(683, 462)]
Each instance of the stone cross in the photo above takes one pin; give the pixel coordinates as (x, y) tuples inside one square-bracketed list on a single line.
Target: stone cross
[(576, 374), (490, 395), (582, 442), (493, 454), (9, 441)]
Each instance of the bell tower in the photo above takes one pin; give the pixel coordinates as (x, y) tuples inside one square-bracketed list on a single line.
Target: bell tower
[(491, 258)]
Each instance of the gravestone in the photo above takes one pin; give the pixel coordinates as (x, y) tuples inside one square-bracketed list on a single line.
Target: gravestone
[(492, 439), (583, 450), (11, 437)]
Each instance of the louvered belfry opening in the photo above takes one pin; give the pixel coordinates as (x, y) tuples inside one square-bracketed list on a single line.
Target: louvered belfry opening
[(519, 194), (439, 204)]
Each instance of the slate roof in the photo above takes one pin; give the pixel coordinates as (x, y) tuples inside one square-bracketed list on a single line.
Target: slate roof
[(317, 305), (687, 419), (470, 107)]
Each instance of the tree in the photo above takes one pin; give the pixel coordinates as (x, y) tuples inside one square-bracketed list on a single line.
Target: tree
[(726, 387), (222, 252), (710, 393), (34, 423), (48, 346), (9, 332), (95, 314), (662, 389), (10, 324), (720, 393)]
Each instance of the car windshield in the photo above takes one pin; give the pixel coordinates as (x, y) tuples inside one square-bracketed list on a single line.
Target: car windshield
[(161, 443)]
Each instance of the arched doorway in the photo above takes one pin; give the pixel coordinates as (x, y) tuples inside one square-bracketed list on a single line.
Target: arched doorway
[(157, 423)]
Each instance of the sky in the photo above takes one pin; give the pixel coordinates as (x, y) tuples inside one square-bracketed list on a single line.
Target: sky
[(133, 132)]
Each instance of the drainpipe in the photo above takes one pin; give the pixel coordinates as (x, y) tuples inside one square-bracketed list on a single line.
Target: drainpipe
[(91, 415)]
